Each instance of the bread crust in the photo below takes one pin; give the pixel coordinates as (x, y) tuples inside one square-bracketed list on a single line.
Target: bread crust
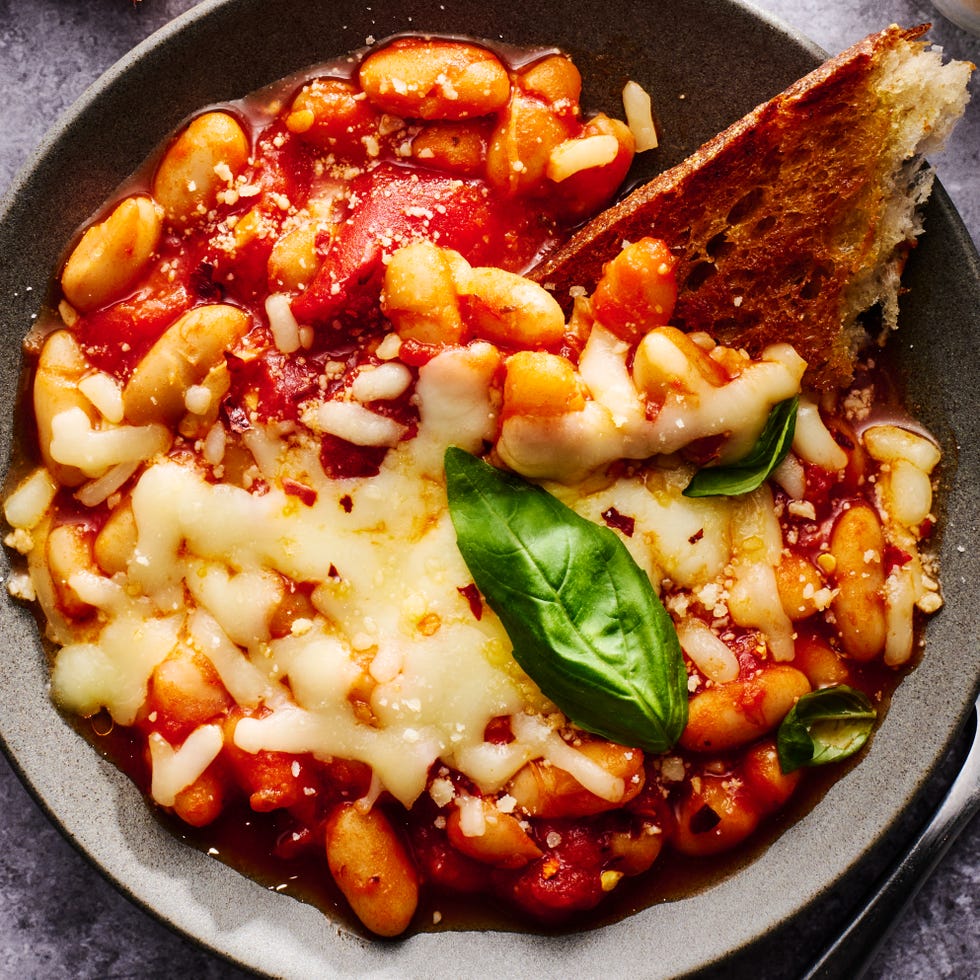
[(774, 220)]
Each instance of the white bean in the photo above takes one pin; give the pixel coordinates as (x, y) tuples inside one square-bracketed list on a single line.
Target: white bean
[(112, 254), (889, 443), (906, 493)]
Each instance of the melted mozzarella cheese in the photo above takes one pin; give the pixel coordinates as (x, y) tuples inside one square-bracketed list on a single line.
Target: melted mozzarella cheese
[(175, 769), (391, 667), (614, 424)]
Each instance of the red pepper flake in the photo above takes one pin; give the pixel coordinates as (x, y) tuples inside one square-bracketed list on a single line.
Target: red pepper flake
[(333, 573), (619, 522), (296, 489), (895, 558), (347, 503), (472, 595), (696, 537), (416, 354)]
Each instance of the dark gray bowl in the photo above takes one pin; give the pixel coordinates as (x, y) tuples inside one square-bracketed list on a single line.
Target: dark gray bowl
[(723, 58)]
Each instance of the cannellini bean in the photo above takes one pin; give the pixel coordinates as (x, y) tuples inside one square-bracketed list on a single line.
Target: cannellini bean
[(251, 227), (538, 383), (812, 440), (27, 505), (182, 357), (667, 361), (186, 691), (801, 589), (332, 112), (492, 837), (459, 147), (293, 260), (509, 310), (69, 551), (521, 145), (713, 817), (734, 714), (555, 79), (710, 654), (890, 443), (60, 367), (770, 786), (634, 852), (822, 665), (544, 790), (197, 165), (905, 493), (589, 179), (372, 868), (41, 586), (900, 596), (637, 291), (201, 803), (419, 294), (112, 254), (116, 541), (857, 545), (435, 79)]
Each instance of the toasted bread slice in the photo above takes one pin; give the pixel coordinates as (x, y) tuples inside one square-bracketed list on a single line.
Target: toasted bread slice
[(797, 219)]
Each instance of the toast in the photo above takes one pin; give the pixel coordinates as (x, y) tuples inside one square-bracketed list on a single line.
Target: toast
[(797, 219)]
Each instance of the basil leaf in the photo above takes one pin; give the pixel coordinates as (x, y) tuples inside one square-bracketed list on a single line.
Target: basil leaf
[(750, 472), (584, 620), (824, 726)]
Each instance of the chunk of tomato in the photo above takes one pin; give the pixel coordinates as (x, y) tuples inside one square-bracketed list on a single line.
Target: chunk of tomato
[(392, 206)]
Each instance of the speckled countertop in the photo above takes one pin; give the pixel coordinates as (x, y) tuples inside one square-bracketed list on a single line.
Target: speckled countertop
[(58, 917)]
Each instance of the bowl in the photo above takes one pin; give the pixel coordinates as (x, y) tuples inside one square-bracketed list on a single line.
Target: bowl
[(706, 64)]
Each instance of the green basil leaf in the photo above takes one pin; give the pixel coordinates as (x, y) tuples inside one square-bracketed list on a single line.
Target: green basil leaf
[(824, 726), (584, 620), (751, 471)]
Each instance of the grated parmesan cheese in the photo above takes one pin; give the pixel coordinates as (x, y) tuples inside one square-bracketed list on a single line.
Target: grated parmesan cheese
[(639, 116)]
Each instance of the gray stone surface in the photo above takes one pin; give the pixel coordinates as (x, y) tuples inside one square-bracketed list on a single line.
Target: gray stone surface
[(58, 917)]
